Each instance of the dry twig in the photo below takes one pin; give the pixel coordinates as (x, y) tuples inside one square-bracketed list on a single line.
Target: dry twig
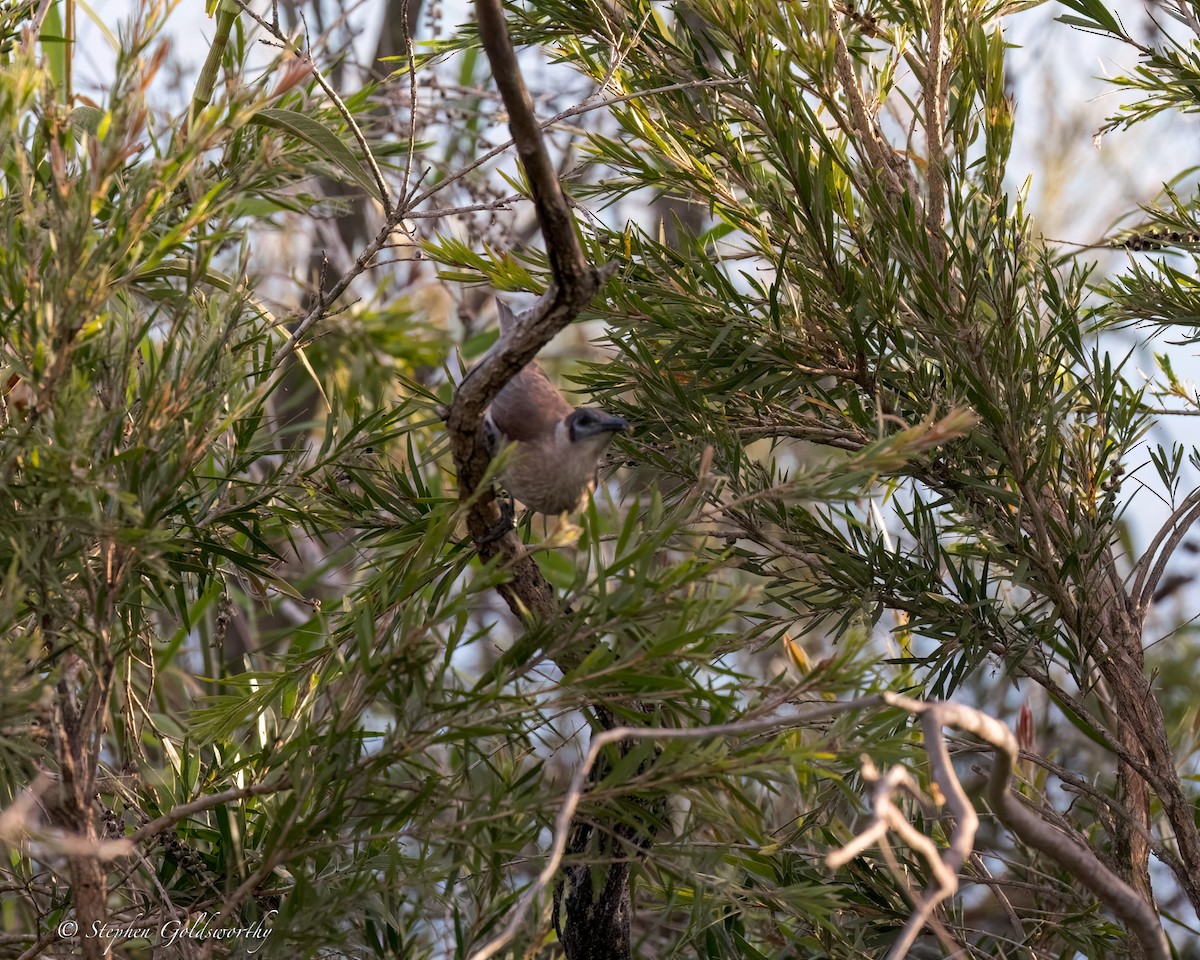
[(1138, 916)]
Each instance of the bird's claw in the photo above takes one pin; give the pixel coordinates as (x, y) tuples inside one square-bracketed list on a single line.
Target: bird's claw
[(503, 526)]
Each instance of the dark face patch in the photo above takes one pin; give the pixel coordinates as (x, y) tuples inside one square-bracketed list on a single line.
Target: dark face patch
[(587, 422)]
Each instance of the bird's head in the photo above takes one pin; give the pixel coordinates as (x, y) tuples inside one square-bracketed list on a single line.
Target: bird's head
[(594, 427)]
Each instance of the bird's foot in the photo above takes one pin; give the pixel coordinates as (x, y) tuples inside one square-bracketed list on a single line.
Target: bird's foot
[(503, 526)]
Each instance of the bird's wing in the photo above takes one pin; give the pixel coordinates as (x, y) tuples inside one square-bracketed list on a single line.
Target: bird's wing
[(529, 406)]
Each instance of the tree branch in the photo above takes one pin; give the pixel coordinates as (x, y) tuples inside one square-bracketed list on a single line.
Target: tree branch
[(185, 810), (573, 285), (896, 177), (937, 79), (567, 262), (1137, 915), (1168, 537)]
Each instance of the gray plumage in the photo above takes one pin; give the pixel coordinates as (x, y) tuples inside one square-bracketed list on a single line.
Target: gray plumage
[(553, 468)]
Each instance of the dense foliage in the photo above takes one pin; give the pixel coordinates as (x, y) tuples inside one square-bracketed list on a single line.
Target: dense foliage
[(884, 441)]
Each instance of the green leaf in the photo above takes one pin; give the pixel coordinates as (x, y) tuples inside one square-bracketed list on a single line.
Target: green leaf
[(323, 140)]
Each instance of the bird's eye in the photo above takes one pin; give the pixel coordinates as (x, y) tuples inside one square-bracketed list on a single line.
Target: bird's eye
[(585, 418)]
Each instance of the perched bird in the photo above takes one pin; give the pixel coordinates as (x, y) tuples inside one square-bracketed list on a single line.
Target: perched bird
[(558, 448)]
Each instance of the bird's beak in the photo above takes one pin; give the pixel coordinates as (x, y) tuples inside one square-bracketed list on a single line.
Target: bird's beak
[(617, 425)]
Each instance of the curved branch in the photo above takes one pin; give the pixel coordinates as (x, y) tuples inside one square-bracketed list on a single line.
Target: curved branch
[(1138, 916), (184, 810), (573, 285)]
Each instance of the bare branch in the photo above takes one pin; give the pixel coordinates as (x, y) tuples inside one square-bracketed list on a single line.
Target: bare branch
[(997, 889), (1075, 784), (1138, 915), (325, 299), (573, 285), (897, 178), (937, 79), (360, 138), (185, 810), (286, 43), (943, 867), (595, 102), (567, 262), (34, 28)]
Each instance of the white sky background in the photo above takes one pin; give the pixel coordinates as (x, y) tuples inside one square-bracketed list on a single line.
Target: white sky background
[(1076, 191)]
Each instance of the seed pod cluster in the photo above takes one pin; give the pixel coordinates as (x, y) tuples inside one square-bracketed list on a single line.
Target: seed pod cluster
[(1155, 239)]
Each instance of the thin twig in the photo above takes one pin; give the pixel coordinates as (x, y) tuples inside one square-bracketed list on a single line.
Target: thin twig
[(339, 105), (1077, 707), (1138, 915), (592, 103), (1074, 784), (837, 437), (1187, 14), (368, 156), (34, 29), (185, 810), (439, 213), (997, 889), (324, 298), (406, 211), (411, 152)]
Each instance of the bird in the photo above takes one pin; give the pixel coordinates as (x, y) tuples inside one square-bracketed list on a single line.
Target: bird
[(552, 469)]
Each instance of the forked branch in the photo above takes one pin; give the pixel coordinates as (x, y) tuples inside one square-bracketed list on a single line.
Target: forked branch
[(1139, 917)]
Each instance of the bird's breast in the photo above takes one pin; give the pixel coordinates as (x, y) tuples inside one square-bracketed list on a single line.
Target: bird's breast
[(550, 477)]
